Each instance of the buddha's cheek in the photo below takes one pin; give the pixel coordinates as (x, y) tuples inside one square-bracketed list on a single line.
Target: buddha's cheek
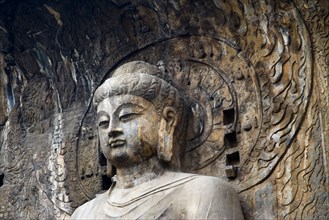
[(103, 144), (148, 138)]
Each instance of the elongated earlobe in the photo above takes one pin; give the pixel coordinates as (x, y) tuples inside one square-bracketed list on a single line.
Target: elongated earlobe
[(166, 134), (109, 169)]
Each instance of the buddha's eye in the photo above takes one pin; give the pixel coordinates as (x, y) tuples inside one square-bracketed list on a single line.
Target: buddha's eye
[(128, 116), (130, 111), (103, 124)]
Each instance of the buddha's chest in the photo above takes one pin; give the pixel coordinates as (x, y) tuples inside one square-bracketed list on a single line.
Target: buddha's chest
[(165, 204)]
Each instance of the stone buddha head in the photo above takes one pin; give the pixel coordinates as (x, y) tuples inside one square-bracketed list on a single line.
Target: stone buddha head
[(139, 116)]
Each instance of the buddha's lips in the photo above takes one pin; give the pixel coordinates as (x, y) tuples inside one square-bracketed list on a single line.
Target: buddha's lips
[(117, 143)]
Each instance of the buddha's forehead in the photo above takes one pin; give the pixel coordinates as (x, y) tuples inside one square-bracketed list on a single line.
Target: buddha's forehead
[(113, 103)]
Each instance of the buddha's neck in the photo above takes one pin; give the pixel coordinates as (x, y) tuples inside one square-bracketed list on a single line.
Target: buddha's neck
[(128, 177)]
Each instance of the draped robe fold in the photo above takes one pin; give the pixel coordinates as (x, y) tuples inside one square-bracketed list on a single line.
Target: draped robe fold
[(170, 196)]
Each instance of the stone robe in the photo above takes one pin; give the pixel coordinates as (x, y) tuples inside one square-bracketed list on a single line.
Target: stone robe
[(171, 196)]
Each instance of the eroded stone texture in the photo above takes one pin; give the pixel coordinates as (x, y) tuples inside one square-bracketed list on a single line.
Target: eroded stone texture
[(258, 70), (142, 122)]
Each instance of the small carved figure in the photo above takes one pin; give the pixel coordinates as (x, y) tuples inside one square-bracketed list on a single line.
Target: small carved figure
[(142, 127)]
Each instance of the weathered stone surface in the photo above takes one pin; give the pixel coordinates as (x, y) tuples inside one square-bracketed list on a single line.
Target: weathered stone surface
[(258, 72), (142, 122)]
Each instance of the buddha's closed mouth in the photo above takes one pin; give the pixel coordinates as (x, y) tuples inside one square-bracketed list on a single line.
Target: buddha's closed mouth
[(117, 143)]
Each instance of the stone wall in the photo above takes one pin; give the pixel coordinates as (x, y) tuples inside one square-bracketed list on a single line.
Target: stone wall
[(258, 69)]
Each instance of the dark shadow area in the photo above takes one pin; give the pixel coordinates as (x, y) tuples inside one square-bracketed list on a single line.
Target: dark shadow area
[(228, 116), (2, 176), (106, 180), (233, 159), (230, 140), (102, 160)]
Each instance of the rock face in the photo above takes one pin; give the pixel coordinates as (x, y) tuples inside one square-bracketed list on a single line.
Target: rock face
[(256, 70)]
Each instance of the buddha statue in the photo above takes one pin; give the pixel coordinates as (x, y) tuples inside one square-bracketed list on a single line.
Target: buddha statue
[(142, 124)]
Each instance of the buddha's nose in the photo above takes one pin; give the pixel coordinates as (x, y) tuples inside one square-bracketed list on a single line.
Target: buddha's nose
[(114, 129)]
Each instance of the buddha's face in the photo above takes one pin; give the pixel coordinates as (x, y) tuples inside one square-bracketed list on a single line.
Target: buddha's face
[(128, 129)]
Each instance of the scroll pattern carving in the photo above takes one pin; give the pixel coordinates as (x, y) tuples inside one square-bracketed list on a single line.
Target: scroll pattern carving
[(316, 16), (284, 65), (301, 176)]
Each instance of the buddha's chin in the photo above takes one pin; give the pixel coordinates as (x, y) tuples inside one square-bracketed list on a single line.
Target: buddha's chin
[(120, 159)]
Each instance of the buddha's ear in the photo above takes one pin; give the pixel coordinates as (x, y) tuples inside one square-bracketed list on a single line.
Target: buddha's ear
[(167, 128), (109, 167)]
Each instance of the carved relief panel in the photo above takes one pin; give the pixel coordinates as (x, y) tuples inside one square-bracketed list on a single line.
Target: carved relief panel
[(254, 74)]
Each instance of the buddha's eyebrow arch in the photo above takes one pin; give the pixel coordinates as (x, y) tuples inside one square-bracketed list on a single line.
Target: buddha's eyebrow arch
[(127, 105), (100, 114)]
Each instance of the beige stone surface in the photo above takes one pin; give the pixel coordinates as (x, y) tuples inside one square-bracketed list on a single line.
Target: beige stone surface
[(255, 73), (142, 131)]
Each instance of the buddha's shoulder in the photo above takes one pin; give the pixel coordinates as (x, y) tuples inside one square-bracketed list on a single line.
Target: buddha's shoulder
[(210, 184), (100, 198), (87, 210), (211, 194), (211, 179)]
